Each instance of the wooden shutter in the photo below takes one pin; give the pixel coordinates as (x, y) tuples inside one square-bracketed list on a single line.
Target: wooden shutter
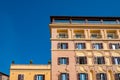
[(103, 60), (66, 45), (105, 76), (19, 77), (76, 45), (35, 77), (95, 60), (93, 45), (67, 76), (22, 76), (77, 60), (98, 76), (118, 45), (67, 61), (113, 61), (59, 46), (43, 77), (85, 59), (86, 76), (110, 45), (84, 45), (101, 45), (59, 76), (78, 76), (58, 61), (116, 76)]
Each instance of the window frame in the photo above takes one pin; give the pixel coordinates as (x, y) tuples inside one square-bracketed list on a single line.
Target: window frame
[(97, 46), (66, 76), (83, 58), (99, 60), (62, 46), (20, 76), (36, 76), (63, 58), (80, 46), (79, 77)]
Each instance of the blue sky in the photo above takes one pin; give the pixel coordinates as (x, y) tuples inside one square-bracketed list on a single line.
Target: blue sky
[(24, 30)]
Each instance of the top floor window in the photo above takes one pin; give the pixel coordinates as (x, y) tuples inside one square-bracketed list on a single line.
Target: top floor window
[(97, 46), (63, 35), (114, 46), (62, 46), (39, 77), (79, 35), (111, 36), (21, 77), (95, 35)]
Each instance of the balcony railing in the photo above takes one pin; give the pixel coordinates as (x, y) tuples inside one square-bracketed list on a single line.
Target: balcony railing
[(96, 36), (79, 36), (62, 36), (112, 36)]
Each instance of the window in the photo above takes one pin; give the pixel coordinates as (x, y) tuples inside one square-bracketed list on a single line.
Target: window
[(80, 46), (81, 60), (99, 60), (21, 77), (112, 36), (114, 46), (39, 77), (64, 76), (116, 60), (82, 76), (117, 76), (97, 46), (95, 35), (63, 60), (101, 76), (62, 45), (63, 35), (79, 36)]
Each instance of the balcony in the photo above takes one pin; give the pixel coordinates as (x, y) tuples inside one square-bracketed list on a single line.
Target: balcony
[(62, 36), (62, 33), (95, 34)]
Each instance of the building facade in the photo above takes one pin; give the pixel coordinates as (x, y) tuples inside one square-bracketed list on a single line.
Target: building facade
[(29, 72), (85, 48), (4, 76)]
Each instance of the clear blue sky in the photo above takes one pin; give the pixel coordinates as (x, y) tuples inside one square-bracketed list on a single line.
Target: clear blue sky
[(24, 30)]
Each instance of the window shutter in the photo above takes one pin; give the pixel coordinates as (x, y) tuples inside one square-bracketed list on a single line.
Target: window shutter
[(118, 45), (110, 45), (78, 76), (86, 76), (59, 46), (105, 76), (85, 59), (22, 77), (58, 61), (103, 60), (19, 77), (95, 60), (59, 76), (35, 77), (77, 60), (116, 76), (101, 46), (93, 46), (66, 45), (67, 61), (43, 77), (67, 76), (75, 45), (98, 76), (113, 61), (84, 46)]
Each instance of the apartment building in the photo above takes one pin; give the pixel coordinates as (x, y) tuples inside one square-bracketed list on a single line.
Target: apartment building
[(29, 72), (85, 48), (4, 76)]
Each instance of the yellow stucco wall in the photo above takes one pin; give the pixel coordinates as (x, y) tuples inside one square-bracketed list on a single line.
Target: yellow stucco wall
[(29, 71)]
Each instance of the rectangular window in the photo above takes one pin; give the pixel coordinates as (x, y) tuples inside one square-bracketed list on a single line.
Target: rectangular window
[(39, 77), (64, 76), (117, 76), (97, 46), (95, 35), (63, 60), (99, 60), (114, 46), (82, 76), (79, 36), (81, 60), (63, 35), (80, 46), (116, 60), (20, 76), (62, 45), (101, 76)]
